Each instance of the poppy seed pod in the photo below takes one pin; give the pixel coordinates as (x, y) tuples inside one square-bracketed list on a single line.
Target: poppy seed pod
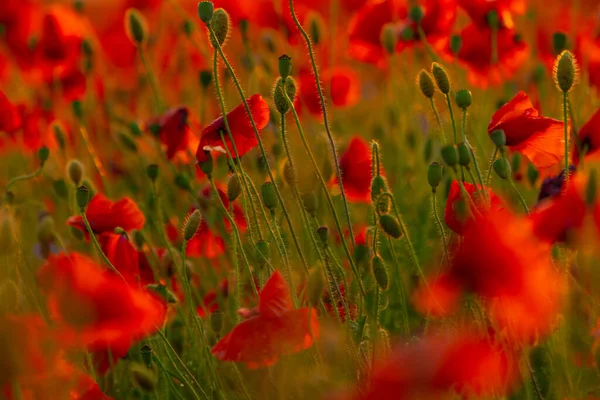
[(233, 188), (279, 99), (135, 26), (380, 272), (389, 38), (75, 172), (425, 82), (441, 78), (191, 225), (152, 172), (83, 196), (565, 71), (434, 175), (220, 26), (464, 155), (416, 14), (269, 197), (143, 377), (390, 226), (206, 10), (502, 168), (309, 202), (559, 42), (450, 155), (463, 99), (499, 138), (455, 44), (285, 66), (323, 234)]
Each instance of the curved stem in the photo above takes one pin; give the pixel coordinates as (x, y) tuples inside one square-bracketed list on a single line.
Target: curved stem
[(16, 179), (97, 245), (521, 199)]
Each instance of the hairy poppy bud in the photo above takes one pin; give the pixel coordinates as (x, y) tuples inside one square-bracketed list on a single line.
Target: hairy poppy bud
[(455, 44), (559, 42), (205, 78), (499, 138), (389, 38), (532, 174), (441, 78), (323, 234), (380, 272), (425, 82), (147, 355), (128, 142), (315, 286), (416, 14), (378, 186), (390, 226), (45, 228), (233, 187), (463, 98), (191, 225), (220, 26), (434, 175), (285, 66), (565, 71), (205, 11), (143, 377), (502, 168), (309, 202), (279, 99), (83, 196), (262, 251), (591, 188), (135, 26), (464, 155), (152, 172), (269, 197), (450, 155)]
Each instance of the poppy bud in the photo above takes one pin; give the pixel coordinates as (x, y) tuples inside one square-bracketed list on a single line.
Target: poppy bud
[(135, 26), (45, 228), (147, 355), (463, 99), (220, 26), (233, 188), (499, 138), (143, 377), (455, 44), (83, 196), (416, 14), (138, 239), (565, 71), (532, 174), (205, 11), (450, 155), (59, 133), (309, 202), (516, 161), (378, 186), (205, 78), (43, 154), (60, 188), (152, 172), (205, 162), (86, 48), (441, 78), (464, 155), (559, 42), (407, 34), (316, 28), (389, 38), (135, 129), (262, 251), (425, 82), (380, 272), (279, 99), (434, 175), (502, 168), (315, 286), (269, 197), (285, 66), (384, 204), (492, 19), (128, 142), (590, 189), (390, 226), (77, 109), (191, 225), (288, 174), (323, 234)]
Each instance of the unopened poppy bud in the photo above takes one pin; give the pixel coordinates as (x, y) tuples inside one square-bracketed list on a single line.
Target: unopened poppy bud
[(205, 11), (316, 28), (135, 129), (143, 377), (233, 188), (220, 26), (152, 172), (262, 251), (285, 66), (455, 44), (323, 234), (138, 239), (389, 38), (434, 175), (182, 182), (187, 27), (269, 197), (502, 168), (425, 82), (86, 48), (492, 19), (450, 155), (532, 174), (83, 196), (378, 186), (309, 202), (288, 174), (464, 155), (591, 188), (390, 226), (60, 188), (279, 98), (407, 34), (441, 78), (416, 14), (128, 142), (565, 71), (499, 138), (380, 272), (516, 161), (315, 286), (45, 229), (77, 109), (559, 42), (135, 26), (43, 154), (147, 355), (59, 134), (205, 78), (205, 162), (191, 225), (463, 98)]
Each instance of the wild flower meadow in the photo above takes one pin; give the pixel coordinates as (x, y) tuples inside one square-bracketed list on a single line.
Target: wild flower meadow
[(299, 199)]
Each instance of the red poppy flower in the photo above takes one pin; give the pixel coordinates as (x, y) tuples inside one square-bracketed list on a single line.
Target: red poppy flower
[(95, 308), (105, 215), (271, 330), (589, 139), (210, 302), (240, 126), (173, 130), (10, 118), (458, 220), (479, 10), (435, 366), (355, 165), (122, 255), (538, 138), (72, 81)]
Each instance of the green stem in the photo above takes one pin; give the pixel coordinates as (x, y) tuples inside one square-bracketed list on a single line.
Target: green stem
[(451, 117), (521, 199), (438, 120), (400, 287), (464, 136), (236, 266), (566, 128), (489, 172), (423, 39), (152, 79), (97, 245), (16, 179), (438, 221)]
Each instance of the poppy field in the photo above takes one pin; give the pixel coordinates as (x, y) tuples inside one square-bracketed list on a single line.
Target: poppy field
[(299, 199)]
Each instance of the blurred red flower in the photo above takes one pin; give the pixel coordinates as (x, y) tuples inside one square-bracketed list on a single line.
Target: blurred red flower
[(589, 139), (211, 301), (355, 165), (172, 129), (459, 219), (479, 10), (271, 330), (105, 215), (123, 256), (10, 118)]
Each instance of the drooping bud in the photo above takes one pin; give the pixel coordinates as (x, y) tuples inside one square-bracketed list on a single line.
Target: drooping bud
[(559, 42), (502, 168), (390, 226), (416, 14), (205, 78), (269, 196), (205, 11), (565, 71), (450, 155), (441, 78), (136, 27), (464, 99), (285, 66), (499, 138), (152, 172), (83, 196), (380, 272), (464, 155), (455, 44), (220, 26), (143, 377), (233, 187), (279, 99), (323, 234), (191, 225), (309, 202), (389, 38), (434, 175), (425, 82)]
